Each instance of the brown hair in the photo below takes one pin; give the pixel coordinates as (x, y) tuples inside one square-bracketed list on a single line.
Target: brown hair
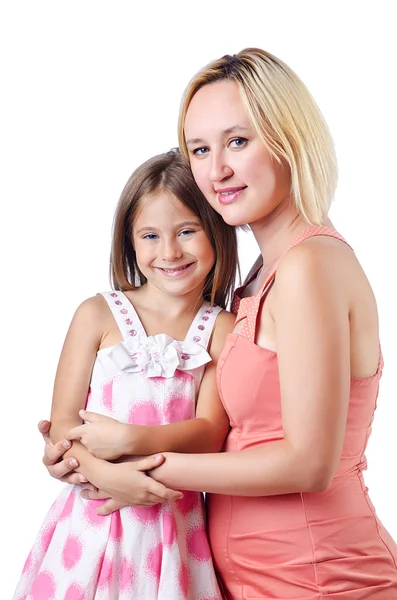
[(286, 118), (170, 172)]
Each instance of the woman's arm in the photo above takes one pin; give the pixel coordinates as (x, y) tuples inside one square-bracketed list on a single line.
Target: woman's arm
[(107, 438), (311, 317)]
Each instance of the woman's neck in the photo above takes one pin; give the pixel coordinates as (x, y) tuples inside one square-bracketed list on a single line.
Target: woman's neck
[(275, 233)]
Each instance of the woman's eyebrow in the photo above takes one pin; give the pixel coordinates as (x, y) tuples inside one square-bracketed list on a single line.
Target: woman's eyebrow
[(228, 131)]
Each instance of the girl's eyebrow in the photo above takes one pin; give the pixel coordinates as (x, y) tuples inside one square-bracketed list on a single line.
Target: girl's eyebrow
[(178, 226), (228, 131)]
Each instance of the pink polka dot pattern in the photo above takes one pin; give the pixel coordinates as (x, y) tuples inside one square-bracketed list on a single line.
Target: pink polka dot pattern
[(71, 552), (116, 527), (184, 580), (107, 395), (47, 536), (43, 587), (187, 503), (146, 514), (68, 507), (145, 414), (169, 529), (74, 592), (178, 408), (28, 563), (105, 574), (136, 552), (153, 563), (90, 512), (197, 544), (127, 575)]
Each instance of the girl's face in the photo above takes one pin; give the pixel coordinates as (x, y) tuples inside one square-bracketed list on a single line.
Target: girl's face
[(230, 163), (172, 249)]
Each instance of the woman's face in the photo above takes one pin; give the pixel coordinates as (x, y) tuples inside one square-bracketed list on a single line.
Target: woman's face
[(230, 163)]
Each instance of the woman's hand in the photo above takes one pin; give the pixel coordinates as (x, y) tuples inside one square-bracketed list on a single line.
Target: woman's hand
[(103, 436), (127, 484), (52, 460)]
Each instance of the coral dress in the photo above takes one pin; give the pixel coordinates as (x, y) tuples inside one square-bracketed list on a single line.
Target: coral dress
[(306, 546), (142, 553)]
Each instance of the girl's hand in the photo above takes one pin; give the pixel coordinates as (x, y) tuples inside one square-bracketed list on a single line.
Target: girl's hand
[(127, 484), (103, 436), (57, 468)]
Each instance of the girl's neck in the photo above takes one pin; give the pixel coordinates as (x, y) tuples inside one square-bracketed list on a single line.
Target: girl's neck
[(172, 306)]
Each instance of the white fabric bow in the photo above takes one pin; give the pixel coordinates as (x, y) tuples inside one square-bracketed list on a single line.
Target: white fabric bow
[(158, 355)]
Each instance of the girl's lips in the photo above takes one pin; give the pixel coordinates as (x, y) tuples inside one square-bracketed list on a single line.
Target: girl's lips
[(229, 195), (175, 271)]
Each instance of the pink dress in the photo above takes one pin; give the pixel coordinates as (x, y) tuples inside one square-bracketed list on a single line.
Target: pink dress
[(306, 546), (145, 553)]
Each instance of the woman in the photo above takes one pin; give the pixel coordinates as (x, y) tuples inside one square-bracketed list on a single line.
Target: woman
[(288, 511)]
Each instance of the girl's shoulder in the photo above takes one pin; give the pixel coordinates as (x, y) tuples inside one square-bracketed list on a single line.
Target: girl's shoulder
[(223, 325), (93, 312)]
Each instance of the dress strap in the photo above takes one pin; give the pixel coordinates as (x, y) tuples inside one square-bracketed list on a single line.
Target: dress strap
[(124, 314), (203, 323), (249, 307)]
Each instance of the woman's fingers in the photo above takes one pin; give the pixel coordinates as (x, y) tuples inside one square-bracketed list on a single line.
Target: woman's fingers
[(163, 493), (149, 462), (94, 494), (109, 507)]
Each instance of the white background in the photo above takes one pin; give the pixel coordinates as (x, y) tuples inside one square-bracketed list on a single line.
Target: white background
[(89, 91)]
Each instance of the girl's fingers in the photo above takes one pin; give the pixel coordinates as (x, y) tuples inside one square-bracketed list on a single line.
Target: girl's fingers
[(63, 469), (53, 452), (44, 428)]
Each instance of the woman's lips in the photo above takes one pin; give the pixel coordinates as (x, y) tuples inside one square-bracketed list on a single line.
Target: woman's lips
[(229, 195)]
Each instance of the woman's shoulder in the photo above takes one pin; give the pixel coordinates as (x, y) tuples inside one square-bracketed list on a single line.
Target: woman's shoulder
[(318, 258)]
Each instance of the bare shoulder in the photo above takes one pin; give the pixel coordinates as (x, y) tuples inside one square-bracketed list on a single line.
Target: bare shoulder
[(224, 324), (92, 317), (92, 308), (319, 261)]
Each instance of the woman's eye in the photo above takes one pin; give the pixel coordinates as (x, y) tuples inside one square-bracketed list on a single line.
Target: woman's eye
[(238, 142), (200, 151)]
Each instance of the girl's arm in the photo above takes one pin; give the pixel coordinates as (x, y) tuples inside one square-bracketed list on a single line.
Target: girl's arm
[(73, 378), (313, 346), (107, 438)]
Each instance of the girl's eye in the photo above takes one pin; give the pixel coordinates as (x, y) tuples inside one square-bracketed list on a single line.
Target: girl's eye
[(150, 236), (200, 151), (186, 232), (238, 142)]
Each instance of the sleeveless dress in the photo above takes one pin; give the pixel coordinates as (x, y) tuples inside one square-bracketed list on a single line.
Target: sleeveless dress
[(306, 546), (146, 553)]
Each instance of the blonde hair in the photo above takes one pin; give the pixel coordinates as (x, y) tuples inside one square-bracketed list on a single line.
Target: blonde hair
[(286, 117), (170, 173)]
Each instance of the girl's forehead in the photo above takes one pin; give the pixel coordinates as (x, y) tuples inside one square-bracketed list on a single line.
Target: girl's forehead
[(155, 206)]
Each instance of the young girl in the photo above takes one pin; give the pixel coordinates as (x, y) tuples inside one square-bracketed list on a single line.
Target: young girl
[(173, 264)]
